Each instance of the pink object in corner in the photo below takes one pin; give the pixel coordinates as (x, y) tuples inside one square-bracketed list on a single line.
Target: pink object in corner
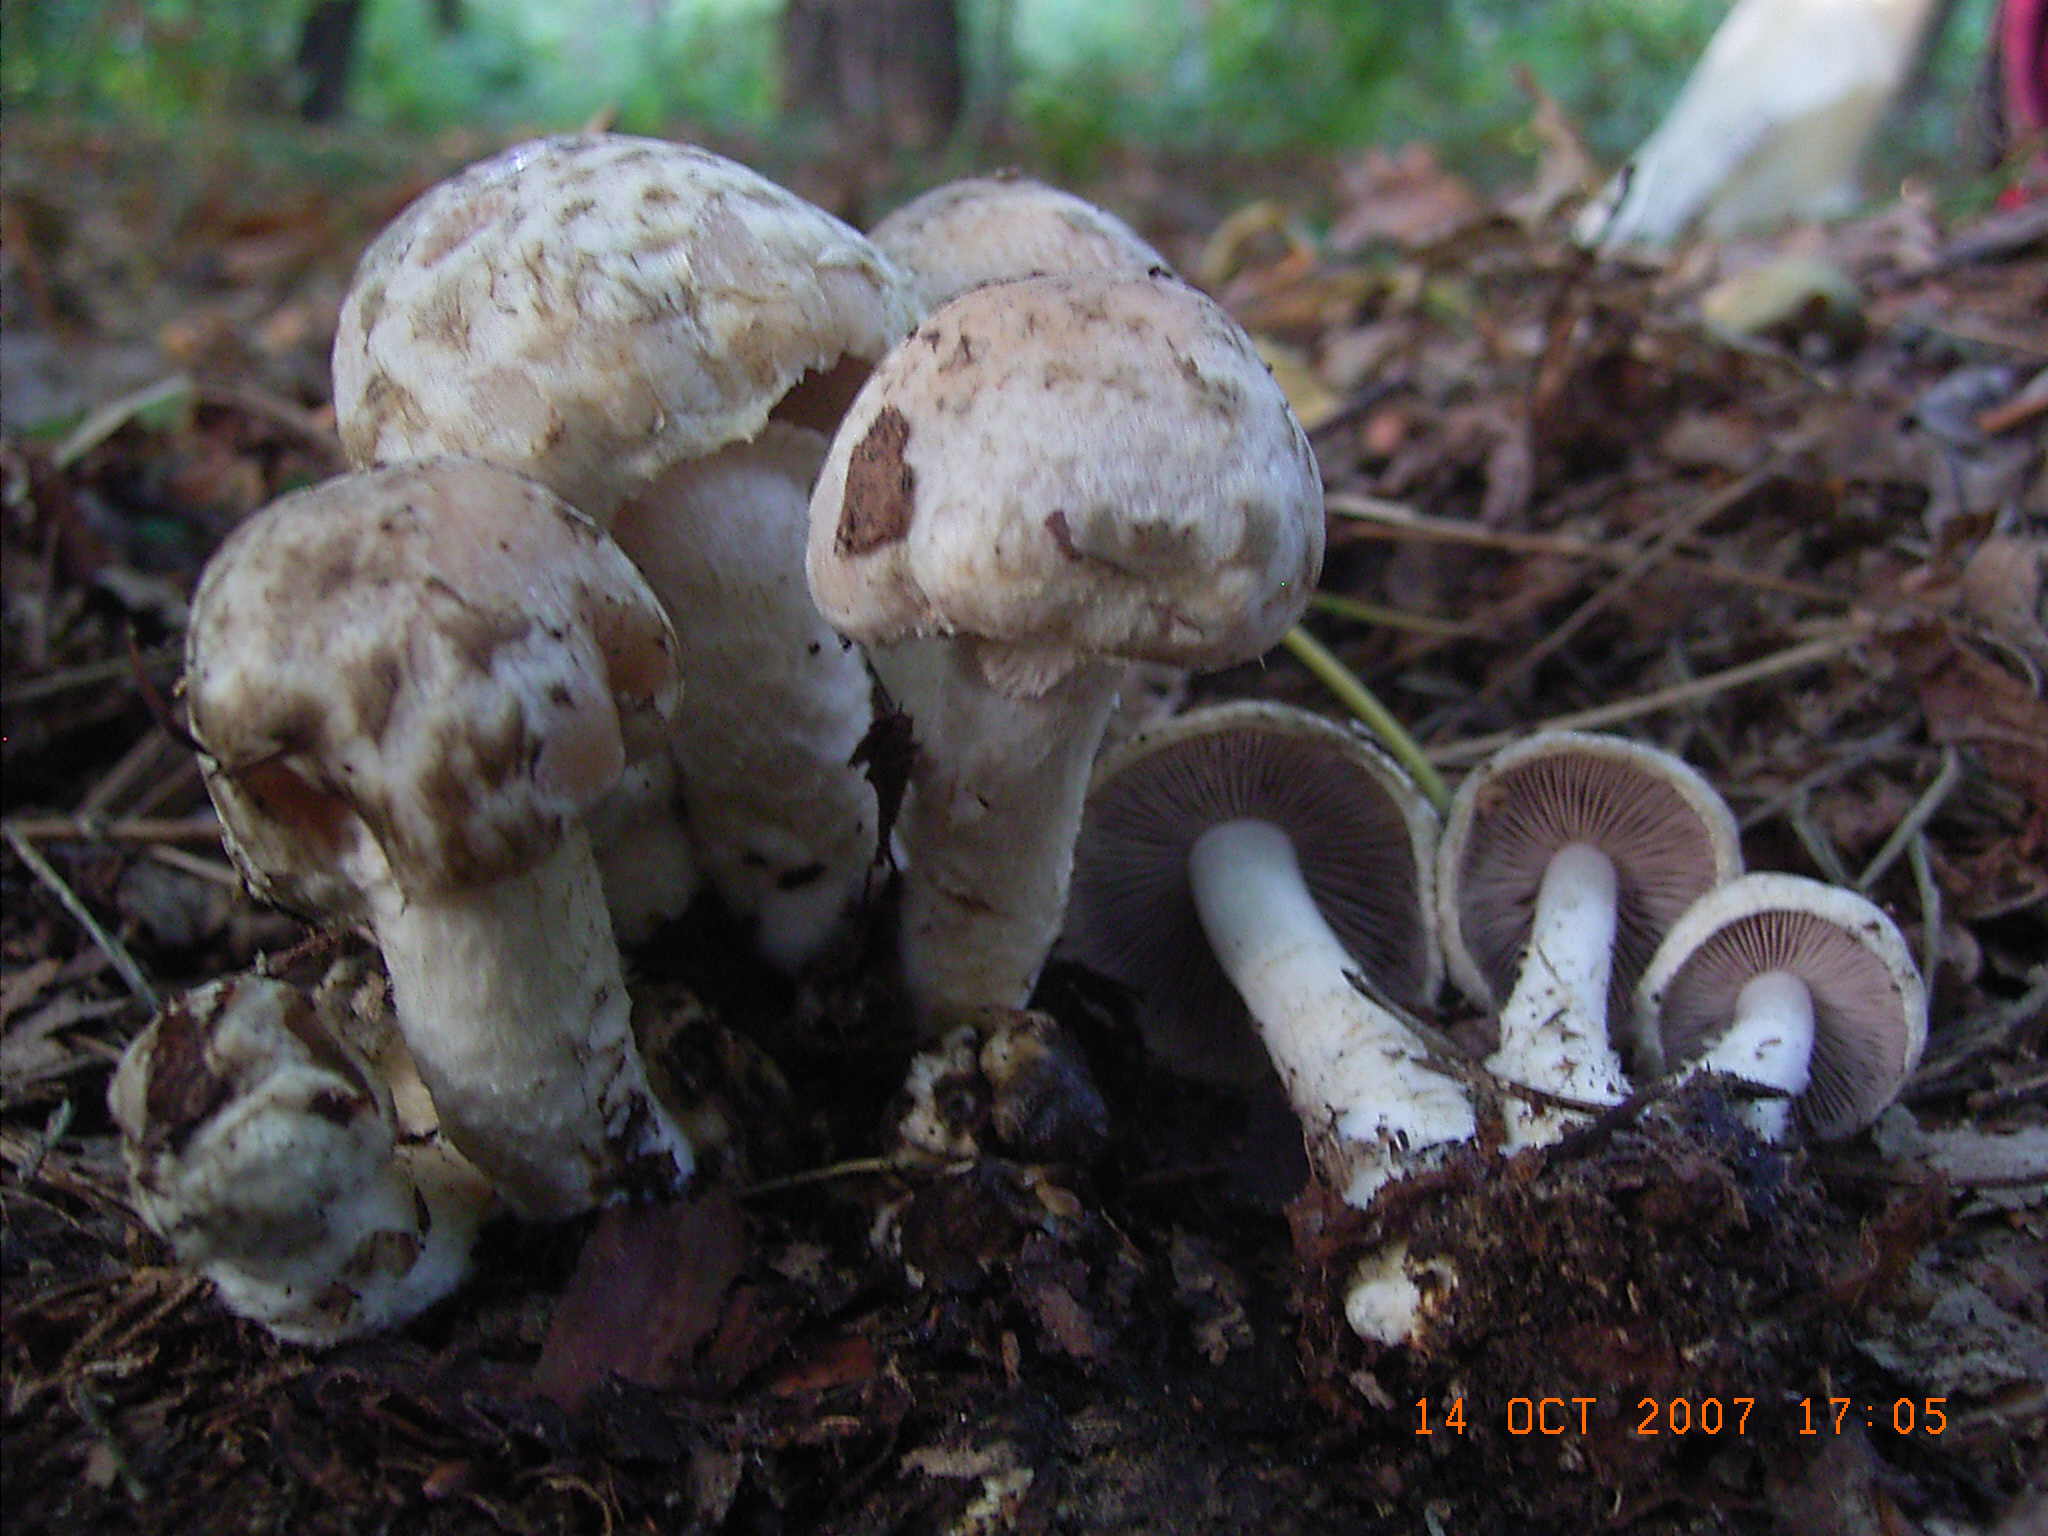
[(2023, 69)]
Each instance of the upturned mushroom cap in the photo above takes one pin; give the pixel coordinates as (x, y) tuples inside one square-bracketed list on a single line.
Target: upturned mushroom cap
[(996, 229), (591, 308), (1669, 835), (1075, 464), (418, 675), (1869, 1003), (1363, 834)]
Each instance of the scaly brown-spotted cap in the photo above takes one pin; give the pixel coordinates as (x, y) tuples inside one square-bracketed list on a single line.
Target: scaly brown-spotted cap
[(591, 308), (1074, 465), (420, 675)]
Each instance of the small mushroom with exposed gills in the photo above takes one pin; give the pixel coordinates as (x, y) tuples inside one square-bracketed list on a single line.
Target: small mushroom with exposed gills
[(1048, 479), (1253, 864), (1565, 859), (1800, 988), (411, 685)]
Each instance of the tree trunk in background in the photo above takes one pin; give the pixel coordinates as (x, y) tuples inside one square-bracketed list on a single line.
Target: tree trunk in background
[(327, 47), (887, 69)]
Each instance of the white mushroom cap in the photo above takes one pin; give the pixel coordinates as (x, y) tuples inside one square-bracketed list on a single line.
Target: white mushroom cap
[(421, 675), (262, 1149), (1363, 835), (995, 229), (1669, 835), (412, 684), (1082, 464), (1869, 1003), (591, 308)]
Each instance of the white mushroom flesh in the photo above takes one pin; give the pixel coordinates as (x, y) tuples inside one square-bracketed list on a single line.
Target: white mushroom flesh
[(778, 700), (1553, 1027), (1370, 1101)]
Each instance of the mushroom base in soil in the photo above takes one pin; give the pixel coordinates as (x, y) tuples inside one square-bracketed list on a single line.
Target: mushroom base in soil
[(1373, 1108), (1604, 1261)]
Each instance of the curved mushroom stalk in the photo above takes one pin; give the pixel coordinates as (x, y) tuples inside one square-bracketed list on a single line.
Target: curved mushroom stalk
[(778, 701), (1564, 860), (261, 1147), (1795, 986), (1371, 1104), (1553, 1027), (414, 683), (996, 789), (1255, 862)]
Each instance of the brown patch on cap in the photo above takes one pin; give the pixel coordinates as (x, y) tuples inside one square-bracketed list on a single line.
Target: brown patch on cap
[(184, 1091), (881, 487)]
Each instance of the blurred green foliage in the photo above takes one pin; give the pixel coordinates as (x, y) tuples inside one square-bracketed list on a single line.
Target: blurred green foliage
[(1078, 75)]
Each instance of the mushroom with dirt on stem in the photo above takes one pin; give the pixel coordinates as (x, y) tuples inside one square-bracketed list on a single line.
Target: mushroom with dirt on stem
[(1802, 989), (1049, 478), (410, 686), (1261, 878), (264, 1149), (663, 337), (1565, 858), (1254, 864)]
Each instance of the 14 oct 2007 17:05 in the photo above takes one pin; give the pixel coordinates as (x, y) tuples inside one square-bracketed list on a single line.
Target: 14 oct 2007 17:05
[(1677, 1416)]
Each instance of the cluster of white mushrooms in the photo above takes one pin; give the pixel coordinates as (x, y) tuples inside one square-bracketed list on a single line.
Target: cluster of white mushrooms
[(1248, 861), (661, 471), (667, 485)]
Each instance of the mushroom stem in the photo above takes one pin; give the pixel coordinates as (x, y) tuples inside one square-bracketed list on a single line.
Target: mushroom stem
[(1347, 1063), (513, 1004), (1769, 1043), (777, 704), (989, 825), (1553, 1027)]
